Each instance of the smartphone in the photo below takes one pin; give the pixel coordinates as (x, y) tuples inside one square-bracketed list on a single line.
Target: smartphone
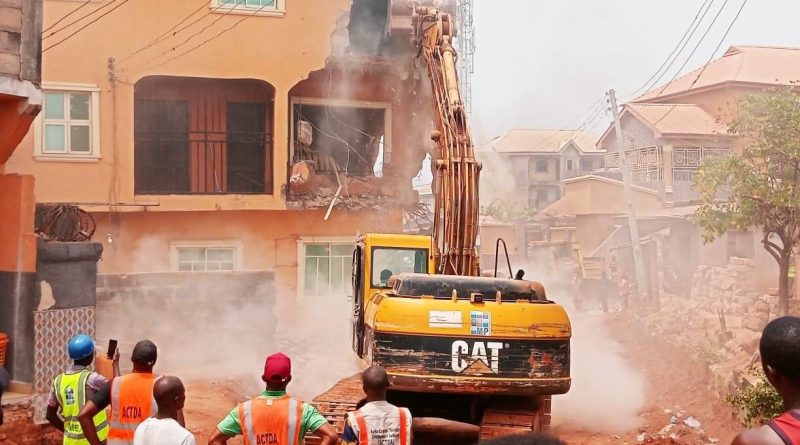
[(112, 348)]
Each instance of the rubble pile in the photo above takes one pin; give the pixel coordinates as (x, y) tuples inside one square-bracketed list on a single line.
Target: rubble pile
[(680, 430), (19, 428), (720, 322)]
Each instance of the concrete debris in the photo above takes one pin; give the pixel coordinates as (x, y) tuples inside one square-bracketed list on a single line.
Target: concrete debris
[(691, 422), (641, 438)]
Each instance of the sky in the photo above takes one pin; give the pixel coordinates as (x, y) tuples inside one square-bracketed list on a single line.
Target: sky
[(539, 64), (542, 64)]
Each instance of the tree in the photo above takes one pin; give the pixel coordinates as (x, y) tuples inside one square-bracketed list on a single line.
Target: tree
[(762, 186), (508, 213)]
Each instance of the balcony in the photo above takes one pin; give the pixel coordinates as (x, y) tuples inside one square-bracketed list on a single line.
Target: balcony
[(202, 136)]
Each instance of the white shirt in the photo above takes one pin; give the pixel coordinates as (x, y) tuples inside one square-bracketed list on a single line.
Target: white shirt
[(162, 432)]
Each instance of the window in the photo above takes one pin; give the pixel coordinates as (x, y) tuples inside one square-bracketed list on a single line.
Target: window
[(69, 127), (570, 165), (327, 269), (205, 256), (257, 7), (542, 197), (387, 262), (741, 244), (542, 166)]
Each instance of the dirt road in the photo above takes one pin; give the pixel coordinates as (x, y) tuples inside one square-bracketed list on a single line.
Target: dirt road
[(672, 386)]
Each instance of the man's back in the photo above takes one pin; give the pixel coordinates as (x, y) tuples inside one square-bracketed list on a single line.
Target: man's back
[(162, 432)]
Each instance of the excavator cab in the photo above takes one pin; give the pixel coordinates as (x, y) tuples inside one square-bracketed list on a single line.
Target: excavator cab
[(376, 258)]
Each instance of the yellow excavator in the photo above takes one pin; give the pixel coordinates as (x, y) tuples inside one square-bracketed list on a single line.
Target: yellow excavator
[(485, 351)]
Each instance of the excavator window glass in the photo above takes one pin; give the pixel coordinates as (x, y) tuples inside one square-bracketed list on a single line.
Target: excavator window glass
[(387, 262)]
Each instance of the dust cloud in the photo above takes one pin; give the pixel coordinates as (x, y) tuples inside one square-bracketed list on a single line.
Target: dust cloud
[(608, 392)]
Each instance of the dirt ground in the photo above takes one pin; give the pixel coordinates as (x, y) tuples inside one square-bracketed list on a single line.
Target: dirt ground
[(674, 386), (673, 383)]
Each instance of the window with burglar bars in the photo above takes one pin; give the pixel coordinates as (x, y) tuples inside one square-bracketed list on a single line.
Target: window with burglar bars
[(328, 268)]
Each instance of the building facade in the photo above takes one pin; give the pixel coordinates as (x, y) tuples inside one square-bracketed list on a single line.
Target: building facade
[(541, 159), (258, 135)]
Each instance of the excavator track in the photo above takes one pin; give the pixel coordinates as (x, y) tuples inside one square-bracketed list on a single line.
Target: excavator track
[(509, 416), (335, 403)]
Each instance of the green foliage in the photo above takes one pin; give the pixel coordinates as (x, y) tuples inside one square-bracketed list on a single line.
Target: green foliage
[(759, 404), (762, 186), (507, 213)]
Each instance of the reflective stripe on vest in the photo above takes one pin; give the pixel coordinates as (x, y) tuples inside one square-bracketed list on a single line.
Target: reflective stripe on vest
[(373, 428), (271, 421), (131, 403), (70, 390)]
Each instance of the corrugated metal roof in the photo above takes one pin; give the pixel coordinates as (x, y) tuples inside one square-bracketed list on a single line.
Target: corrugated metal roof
[(543, 141), (745, 64)]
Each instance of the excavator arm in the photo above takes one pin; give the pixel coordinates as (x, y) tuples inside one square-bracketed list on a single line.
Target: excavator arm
[(456, 207)]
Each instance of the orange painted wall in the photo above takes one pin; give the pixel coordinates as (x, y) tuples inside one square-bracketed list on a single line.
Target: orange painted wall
[(278, 50), (17, 240), (141, 240)]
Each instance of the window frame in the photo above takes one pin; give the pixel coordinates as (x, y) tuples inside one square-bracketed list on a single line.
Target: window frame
[(302, 242), (545, 163), (218, 7), (94, 153), (321, 102), (175, 246), (377, 248)]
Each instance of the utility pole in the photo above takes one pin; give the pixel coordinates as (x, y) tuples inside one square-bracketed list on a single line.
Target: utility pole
[(641, 278)]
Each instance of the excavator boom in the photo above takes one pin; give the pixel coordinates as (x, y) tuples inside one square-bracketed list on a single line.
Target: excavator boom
[(455, 216)]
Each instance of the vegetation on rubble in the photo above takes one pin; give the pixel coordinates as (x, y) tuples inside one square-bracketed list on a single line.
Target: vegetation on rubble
[(762, 186), (758, 403)]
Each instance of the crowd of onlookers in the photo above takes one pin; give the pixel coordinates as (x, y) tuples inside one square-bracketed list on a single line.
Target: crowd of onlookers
[(142, 408)]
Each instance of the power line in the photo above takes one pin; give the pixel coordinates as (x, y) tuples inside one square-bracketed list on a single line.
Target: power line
[(202, 43), (174, 48), (703, 37), (711, 57), (675, 53), (88, 14), (167, 34), (68, 14), (721, 41), (84, 27)]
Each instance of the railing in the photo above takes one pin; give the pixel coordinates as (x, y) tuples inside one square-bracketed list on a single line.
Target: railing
[(202, 162)]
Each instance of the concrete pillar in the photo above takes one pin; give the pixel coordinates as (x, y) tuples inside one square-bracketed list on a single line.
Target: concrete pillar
[(667, 166), (17, 273)]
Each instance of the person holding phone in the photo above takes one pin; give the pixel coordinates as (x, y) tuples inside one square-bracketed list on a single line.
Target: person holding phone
[(130, 397)]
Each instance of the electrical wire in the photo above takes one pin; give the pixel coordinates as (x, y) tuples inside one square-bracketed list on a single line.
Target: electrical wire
[(186, 41), (68, 14), (166, 34), (87, 15), (696, 47), (676, 52), (201, 43), (710, 58), (84, 26)]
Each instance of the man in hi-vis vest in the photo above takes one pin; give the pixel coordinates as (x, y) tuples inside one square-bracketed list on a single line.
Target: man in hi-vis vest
[(274, 418), (130, 397), (72, 389), (378, 422)]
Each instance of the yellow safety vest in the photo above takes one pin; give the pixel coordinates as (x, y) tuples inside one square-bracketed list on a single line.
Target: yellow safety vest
[(70, 391)]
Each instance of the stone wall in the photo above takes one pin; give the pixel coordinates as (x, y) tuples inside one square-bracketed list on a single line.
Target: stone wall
[(720, 322)]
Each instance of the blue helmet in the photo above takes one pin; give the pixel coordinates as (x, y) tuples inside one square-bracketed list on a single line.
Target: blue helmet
[(80, 346)]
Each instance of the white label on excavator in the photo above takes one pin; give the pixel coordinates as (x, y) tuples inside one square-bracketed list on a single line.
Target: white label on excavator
[(445, 319)]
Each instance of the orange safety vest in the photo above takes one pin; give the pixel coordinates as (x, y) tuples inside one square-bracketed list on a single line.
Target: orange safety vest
[(381, 425), (271, 421), (131, 403)]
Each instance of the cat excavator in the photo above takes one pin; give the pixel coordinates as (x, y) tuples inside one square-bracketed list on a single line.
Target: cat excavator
[(472, 349)]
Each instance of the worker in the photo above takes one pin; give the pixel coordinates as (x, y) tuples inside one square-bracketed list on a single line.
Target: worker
[(274, 416), (378, 422), (166, 426), (523, 439), (779, 348), (130, 397), (72, 389)]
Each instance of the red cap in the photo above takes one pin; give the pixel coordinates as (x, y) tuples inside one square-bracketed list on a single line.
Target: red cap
[(278, 368)]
